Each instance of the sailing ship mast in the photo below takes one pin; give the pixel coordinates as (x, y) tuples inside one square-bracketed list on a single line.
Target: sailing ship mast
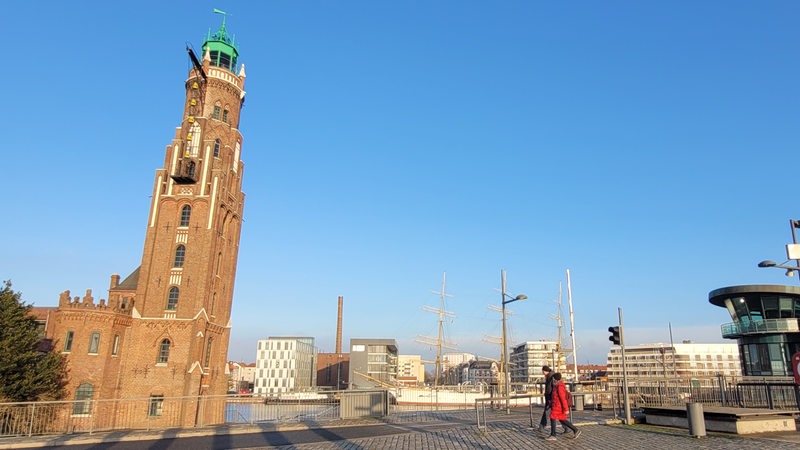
[(439, 341)]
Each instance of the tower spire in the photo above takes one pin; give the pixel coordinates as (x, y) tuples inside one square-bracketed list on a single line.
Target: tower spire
[(221, 46)]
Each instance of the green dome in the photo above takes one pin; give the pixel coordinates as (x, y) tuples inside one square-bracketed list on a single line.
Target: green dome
[(221, 47)]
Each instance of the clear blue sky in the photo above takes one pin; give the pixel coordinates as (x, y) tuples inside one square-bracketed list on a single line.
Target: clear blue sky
[(646, 146)]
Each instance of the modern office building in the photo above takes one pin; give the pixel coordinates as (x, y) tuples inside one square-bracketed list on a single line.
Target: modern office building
[(652, 362), (373, 363), (285, 364), (765, 326), (526, 361)]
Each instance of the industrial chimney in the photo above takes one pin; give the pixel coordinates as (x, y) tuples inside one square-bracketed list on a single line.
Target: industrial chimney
[(339, 328)]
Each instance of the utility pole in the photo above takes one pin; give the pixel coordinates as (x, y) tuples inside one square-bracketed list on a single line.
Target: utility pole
[(572, 330), (624, 371)]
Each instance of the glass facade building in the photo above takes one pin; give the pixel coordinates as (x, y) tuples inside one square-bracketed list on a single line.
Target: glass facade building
[(765, 325)]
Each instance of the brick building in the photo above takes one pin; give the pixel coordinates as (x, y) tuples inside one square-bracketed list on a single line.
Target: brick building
[(333, 369), (164, 330)]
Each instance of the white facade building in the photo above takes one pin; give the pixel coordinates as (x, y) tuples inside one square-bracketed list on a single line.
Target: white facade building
[(242, 376), (482, 373), (526, 361), (665, 361), (285, 364), (453, 359)]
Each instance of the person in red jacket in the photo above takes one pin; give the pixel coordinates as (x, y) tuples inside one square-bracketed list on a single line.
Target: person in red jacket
[(560, 409)]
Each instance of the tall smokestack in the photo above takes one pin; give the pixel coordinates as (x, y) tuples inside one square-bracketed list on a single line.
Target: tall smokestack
[(339, 328)]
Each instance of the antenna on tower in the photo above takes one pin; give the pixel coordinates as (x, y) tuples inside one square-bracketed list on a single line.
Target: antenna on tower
[(439, 342)]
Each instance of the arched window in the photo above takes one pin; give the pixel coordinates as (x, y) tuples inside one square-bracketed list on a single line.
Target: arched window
[(180, 254), (163, 352), (208, 352), (217, 145), (172, 300), (83, 399), (225, 115), (186, 213)]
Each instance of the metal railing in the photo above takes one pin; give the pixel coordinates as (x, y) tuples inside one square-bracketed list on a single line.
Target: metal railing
[(89, 416), (742, 392), (480, 406), (735, 329)]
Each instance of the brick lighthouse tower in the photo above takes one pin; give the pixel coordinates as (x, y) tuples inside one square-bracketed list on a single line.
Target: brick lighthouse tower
[(165, 329)]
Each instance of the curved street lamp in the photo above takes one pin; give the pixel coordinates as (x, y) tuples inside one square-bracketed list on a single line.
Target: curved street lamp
[(506, 299), (792, 253)]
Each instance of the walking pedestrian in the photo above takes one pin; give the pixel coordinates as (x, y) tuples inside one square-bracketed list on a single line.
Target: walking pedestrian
[(560, 409), (548, 397)]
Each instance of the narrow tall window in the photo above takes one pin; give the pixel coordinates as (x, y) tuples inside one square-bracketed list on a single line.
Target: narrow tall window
[(217, 145), (156, 405), (172, 300), (94, 343), (186, 213), (224, 60), (83, 399), (215, 114), (194, 145), (115, 345), (68, 341), (163, 352), (208, 352), (225, 115), (180, 253)]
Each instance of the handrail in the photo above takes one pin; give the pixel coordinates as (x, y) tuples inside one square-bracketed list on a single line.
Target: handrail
[(483, 401), (760, 326)]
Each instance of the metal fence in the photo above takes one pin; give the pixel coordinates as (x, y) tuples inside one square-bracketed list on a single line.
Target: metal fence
[(88, 416), (741, 392), (64, 417)]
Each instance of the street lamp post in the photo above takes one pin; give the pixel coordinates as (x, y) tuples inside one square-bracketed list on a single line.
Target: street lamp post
[(792, 253), (506, 299)]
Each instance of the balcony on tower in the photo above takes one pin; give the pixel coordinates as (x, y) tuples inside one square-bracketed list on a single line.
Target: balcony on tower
[(185, 171)]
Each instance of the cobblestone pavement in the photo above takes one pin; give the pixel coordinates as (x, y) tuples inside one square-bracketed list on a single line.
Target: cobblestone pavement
[(452, 430), (517, 435)]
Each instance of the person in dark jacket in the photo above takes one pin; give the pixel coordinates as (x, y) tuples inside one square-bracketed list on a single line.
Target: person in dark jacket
[(560, 409), (548, 397)]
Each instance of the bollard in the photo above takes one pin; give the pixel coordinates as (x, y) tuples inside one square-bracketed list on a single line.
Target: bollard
[(697, 423)]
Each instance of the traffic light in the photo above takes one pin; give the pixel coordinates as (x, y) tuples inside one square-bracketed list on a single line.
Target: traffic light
[(614, 338)]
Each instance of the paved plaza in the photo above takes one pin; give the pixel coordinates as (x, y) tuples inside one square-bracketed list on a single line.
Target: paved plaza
[(409, 431)]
